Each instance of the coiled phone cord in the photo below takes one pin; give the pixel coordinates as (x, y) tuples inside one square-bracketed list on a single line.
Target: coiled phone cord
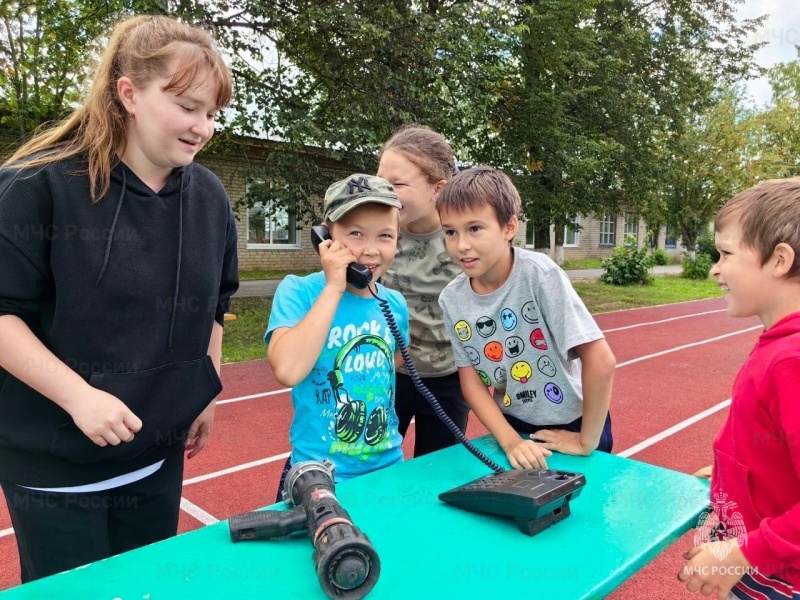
[(412, 372)]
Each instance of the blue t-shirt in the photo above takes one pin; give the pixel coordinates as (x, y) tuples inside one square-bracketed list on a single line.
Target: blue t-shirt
[(344, 408)]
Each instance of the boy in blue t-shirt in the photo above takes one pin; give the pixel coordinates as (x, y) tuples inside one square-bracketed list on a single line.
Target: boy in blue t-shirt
[(330, 342)]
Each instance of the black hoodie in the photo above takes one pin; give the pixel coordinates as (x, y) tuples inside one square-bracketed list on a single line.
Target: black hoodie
[(125, 291)]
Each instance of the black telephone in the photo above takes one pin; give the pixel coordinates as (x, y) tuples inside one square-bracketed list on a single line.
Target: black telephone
[(358, 275)]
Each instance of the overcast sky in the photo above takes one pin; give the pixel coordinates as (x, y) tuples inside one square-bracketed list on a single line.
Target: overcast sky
[(781, 32)]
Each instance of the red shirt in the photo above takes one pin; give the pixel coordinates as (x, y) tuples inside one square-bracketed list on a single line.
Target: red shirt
[(756, 476)]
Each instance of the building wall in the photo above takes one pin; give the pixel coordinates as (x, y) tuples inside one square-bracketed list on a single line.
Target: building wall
[(588, 245), (233, 165), (233, 170)]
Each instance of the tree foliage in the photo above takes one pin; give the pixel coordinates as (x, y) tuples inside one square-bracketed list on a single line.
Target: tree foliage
[(587, 104)]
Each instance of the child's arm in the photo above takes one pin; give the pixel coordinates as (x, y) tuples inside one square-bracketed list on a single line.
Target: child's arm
[(201, 427), (293, 351), (521, 453), (598, 364)]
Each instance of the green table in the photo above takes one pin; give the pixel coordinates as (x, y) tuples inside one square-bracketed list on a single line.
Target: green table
[(627, 513)]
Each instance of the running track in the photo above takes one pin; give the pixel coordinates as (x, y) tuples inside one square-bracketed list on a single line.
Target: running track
[(675, 368)]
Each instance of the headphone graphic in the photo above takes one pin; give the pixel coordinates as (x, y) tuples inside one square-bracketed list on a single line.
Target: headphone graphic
[(351, 415)]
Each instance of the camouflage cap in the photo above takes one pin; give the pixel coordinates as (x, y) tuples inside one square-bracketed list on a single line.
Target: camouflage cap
[(345, 195)]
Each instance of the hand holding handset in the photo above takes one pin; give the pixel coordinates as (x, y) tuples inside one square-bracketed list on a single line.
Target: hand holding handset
[(358, 275)]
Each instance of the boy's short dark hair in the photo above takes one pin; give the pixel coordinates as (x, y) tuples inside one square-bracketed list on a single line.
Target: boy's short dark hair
[(475, 188), (767, 214)]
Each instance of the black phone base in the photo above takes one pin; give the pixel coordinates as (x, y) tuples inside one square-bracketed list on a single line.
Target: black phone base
[(534, 526), (534, 498)]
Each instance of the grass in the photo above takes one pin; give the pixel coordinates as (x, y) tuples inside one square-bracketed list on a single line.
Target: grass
[(600, 297), (584, 263), (244, 337)]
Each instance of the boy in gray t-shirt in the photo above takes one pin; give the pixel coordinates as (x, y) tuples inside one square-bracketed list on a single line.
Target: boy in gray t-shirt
[(517, 325)]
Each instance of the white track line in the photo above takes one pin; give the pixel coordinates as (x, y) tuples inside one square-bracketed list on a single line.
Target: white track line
[(198, 513), (252, 396), (674, 429), (708, 312), (5, 532), (685, 346), (250, 465), (622, 310)]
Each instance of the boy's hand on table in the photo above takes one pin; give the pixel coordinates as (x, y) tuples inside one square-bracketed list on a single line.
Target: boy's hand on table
[(704, 473), (704, 572), (566, 442), (527, 454)]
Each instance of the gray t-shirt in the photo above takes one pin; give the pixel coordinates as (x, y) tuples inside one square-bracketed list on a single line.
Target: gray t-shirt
[(520, 339), (420, 271)]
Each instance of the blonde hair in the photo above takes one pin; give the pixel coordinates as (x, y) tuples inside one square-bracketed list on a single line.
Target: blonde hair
[(142, 48), (425, 148)]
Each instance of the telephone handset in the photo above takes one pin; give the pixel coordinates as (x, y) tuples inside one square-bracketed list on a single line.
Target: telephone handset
[(358, 275)]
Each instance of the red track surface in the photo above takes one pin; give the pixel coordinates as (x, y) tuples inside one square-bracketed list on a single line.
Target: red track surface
[(677, 369)]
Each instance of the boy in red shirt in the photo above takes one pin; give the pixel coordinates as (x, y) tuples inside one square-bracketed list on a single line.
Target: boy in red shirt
[(754, 550)]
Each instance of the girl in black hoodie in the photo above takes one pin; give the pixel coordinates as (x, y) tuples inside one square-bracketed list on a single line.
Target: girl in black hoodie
[(117, 264)]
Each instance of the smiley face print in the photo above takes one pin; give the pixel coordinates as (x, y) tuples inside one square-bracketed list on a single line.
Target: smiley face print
[(463, 330), (484, 378), (546, 366), (473, 354), (500, 375), (530, 313), (553, 393), (537, 340), (521, 371), (486, 326), (514, 346), (508, 319), (494, 351), (506, 400)]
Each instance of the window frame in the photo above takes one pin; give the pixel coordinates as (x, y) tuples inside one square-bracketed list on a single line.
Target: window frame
[(271, 244), (608, 219)]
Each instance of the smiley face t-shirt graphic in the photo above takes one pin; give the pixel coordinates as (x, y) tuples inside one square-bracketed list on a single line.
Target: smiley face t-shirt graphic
[(520, 339)]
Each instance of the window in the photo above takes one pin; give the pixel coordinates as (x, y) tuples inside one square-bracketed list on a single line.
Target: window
[(669, 238), (269, 224), (530, 233), (571, 234), (632, 225), (608, 230)]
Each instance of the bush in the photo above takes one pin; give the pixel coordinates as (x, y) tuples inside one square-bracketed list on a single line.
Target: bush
[(698, 268), (659, 257), (627, 265), (705, 245)]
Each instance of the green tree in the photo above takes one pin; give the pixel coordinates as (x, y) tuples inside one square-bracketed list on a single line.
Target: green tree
[(706, 164), (775, 132), (342, 75), (44, 47), (596, 84)]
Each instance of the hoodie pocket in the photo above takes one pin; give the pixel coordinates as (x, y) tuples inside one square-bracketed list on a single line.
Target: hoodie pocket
[(731, 492), (167, 399)]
